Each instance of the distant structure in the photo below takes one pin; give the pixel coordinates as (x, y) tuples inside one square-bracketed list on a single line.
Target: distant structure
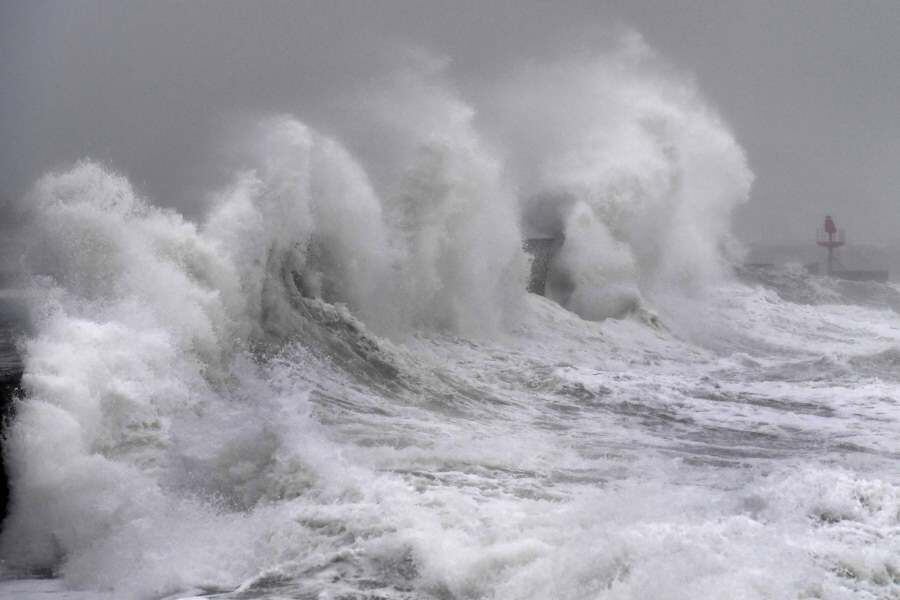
[(832, 238)]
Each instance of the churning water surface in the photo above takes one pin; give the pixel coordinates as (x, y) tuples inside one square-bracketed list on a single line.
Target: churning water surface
[(323, 389)]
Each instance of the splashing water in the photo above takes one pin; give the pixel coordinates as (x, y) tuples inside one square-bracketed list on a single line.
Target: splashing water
[(640, 149), (335, 388)]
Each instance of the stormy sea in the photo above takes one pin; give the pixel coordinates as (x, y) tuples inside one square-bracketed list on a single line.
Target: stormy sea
[(334, 381)]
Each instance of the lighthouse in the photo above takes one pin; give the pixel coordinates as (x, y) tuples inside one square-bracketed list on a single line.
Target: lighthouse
[(832, 238)]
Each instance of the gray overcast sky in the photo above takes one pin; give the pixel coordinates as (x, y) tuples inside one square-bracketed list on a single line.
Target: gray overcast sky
[(811, 89)]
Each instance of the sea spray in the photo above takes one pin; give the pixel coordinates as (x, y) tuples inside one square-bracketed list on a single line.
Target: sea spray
[(150, 448), (594, 274), (135, 331), (300, 197), (217, 407), (139, 414), (635, 142), (450, 205)]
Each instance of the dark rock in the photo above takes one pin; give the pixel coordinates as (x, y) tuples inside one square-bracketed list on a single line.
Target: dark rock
[(13, 324)]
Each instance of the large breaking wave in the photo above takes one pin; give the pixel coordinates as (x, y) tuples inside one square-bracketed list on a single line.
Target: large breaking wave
[(334, 386)]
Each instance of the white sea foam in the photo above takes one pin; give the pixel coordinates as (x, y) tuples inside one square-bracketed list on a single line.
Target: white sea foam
[(621, 135), (336, 388)]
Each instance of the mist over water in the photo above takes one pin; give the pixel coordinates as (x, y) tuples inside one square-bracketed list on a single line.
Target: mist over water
[(335, 385), (627, 160)]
